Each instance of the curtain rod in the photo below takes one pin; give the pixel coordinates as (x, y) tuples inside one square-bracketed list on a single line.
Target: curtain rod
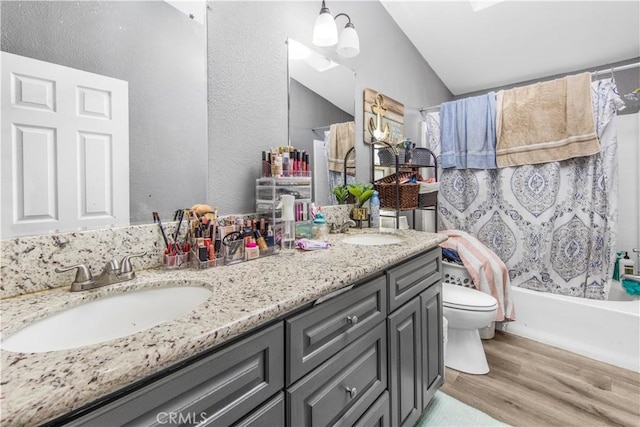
[(594, 73)]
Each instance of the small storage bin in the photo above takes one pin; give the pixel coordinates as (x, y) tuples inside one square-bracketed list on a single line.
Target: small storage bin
[(201, 265), (428, 194), (456, 275), (171, 262)]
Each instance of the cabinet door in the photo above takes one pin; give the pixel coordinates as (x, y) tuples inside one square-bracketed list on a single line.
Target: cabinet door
[(405, 367), (408, 280), (271, 414), (217, 390), (432, 356), (340, 390)]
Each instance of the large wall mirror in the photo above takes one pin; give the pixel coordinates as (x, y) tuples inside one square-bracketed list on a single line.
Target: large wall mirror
[(159, 49), (321, 116)]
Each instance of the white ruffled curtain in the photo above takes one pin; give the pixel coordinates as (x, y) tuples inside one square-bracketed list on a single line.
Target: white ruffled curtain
[(553, 224)]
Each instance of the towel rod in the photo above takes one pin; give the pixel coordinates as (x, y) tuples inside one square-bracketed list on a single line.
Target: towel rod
[(614, 69), (594, 73)]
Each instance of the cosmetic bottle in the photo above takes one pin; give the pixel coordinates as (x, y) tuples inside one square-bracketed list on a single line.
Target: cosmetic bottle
[(266, 167), (251, 251), (288, 240), (270, 238), (320, 229), (286, 163), (627, 266), (374, 207)]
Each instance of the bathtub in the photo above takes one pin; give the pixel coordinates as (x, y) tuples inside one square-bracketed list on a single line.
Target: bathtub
[(608, 331)]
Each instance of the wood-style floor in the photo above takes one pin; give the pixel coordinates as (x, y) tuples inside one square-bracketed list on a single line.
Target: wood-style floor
[(533, 384)]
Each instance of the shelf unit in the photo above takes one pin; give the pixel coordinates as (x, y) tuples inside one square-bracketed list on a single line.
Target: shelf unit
[(269, 191), (397, 160)]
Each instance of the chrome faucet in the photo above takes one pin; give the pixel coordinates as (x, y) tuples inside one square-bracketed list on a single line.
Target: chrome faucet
[(335, 229), (113, 272)]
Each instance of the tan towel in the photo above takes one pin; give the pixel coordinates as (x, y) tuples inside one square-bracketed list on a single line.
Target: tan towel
[(545, 122), (342, 137)]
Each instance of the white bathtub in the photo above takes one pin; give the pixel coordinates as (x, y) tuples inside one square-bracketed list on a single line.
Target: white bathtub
[(608, 331)]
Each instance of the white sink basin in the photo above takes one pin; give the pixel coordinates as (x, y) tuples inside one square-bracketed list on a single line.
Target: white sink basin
[(106, 319), (372, 239)]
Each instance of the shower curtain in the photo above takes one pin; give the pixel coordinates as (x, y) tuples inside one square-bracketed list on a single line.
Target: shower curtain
[(552, 224)]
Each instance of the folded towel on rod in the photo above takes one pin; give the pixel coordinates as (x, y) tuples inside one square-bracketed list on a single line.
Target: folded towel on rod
[(489, 273), (546, 122), (468, 133), (342, 138)]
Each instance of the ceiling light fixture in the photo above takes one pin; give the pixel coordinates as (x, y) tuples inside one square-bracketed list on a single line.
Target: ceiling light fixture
[(325, 33)]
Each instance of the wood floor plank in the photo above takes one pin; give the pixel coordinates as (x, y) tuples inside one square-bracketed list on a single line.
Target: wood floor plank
[(532, 384)]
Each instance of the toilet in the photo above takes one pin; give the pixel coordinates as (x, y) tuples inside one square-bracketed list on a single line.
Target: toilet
[(466, 310)]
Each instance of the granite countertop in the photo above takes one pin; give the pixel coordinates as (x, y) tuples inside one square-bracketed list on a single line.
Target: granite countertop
[(37, 387)]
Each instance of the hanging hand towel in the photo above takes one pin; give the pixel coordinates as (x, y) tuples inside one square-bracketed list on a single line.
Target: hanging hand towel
[(468, 133), (341, 140), (488, 272), (546, 122)]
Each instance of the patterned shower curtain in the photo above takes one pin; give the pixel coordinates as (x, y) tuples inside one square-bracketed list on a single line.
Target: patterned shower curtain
[(553, 224)]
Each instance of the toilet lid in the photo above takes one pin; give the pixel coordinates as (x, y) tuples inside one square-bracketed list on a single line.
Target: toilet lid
[(455, 296)]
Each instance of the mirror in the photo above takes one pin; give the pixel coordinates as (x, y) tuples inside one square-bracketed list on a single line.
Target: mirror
[(321, 116), (160, 51)]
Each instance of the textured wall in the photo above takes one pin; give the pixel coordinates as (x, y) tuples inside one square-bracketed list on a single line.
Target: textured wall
[(247, 66), (161, 53)]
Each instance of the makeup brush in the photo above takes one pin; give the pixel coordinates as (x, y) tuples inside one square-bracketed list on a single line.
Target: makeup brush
[(156, 218)]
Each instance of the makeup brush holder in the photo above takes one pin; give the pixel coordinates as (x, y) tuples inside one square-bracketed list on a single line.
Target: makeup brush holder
[(233, 252), (171, 262)]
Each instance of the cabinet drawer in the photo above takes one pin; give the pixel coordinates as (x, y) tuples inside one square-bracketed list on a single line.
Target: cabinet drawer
[(271, 414), (377, 415), (319, 333), (409, 279), (217, 390), (339, 391)]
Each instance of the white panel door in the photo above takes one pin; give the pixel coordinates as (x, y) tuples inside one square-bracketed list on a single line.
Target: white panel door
[(65, 148)]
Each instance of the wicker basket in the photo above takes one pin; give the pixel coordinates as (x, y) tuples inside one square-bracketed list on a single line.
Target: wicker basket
[(426, 200), (386, 188)]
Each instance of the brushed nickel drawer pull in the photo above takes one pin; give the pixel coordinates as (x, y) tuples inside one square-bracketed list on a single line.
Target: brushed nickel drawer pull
[(352, 319), (352, 392)]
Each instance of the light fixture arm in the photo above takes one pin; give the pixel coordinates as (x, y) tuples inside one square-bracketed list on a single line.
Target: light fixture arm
[(343, 14)]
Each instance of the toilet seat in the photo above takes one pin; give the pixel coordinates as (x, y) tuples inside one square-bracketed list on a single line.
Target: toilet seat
[(461, 298)]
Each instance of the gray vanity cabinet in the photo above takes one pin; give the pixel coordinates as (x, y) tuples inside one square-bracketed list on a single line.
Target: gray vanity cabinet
[(432, 351), (409, 279), (320, 332), (415, 336), (271, 414), (219, 389), (339, 392), (405, 366), (368, 355), (378, 415)]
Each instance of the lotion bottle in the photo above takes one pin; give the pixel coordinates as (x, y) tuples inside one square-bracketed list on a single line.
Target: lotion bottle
[(627, 266)]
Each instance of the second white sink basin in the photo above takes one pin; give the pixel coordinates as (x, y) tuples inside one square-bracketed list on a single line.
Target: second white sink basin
[(106, 319), (372, 239)]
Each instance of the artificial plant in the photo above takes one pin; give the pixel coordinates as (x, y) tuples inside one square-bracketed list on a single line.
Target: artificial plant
[(341, 192), (362, 192)]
